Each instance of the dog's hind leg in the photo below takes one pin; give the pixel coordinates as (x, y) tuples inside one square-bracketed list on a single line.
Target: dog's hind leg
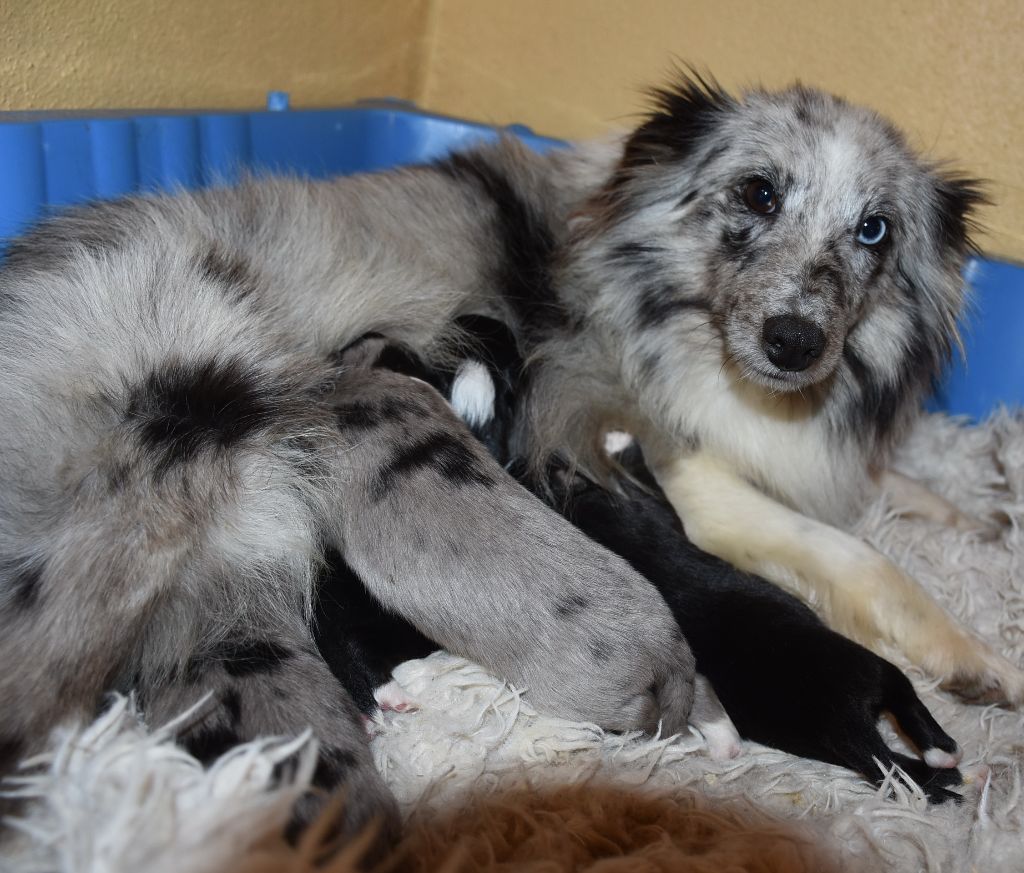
[(71, 619), (858, 591), (275, 684), (442, 535)]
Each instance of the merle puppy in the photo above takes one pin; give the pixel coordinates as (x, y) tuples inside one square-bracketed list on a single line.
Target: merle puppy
[(785, 679)]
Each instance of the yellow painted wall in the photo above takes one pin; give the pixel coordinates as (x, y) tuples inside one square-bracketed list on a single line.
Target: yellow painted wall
[(949, 72), (206, 53)]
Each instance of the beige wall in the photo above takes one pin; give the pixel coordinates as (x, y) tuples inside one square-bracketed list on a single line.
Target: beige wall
[(206, 53), (949, 72)]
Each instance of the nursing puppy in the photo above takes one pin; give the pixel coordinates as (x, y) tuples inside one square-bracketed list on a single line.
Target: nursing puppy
[(785, 679), (361, 641)]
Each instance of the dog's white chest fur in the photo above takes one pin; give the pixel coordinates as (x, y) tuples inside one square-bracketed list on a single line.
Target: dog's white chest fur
[(779, 442)]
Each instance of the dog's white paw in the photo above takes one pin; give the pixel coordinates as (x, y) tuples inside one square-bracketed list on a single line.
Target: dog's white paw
[(394, 698), (723, 740), (942, 760)]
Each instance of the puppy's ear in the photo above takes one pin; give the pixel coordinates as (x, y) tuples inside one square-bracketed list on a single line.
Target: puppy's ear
[(376, 351), (683, 114)]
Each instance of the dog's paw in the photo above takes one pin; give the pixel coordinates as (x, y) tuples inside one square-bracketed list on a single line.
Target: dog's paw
[(722, 739), (710, 718), (392, 697), (996, 680), (617, 695), (348, 807), (995, 525), (988, 529)]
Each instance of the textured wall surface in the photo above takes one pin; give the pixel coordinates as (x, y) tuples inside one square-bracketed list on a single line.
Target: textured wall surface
[(206, 53), (949, 72)]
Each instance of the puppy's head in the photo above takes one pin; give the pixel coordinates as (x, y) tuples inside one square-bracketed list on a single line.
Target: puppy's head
[(801, 229)]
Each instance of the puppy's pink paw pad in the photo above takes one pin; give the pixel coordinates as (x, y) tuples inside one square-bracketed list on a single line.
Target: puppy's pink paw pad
[(393, 697)]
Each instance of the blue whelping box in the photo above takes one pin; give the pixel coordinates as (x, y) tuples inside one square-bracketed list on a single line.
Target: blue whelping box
[(49, 160)]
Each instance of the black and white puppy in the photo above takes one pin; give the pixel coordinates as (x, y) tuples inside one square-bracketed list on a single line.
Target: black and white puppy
[(785, 679), (360, 640)]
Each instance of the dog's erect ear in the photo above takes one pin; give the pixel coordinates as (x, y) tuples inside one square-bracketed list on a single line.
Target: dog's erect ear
[(930, 270), (958, 198), (683, 114)]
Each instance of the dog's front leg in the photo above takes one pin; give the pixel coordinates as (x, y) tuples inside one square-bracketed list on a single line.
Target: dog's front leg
[(858, 591), (442, 535), (912, 499)]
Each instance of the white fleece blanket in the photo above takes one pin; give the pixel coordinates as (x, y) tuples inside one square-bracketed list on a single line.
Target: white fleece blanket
[(119, 798)]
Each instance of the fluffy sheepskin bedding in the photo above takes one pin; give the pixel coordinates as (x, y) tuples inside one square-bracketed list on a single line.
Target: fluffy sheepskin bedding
[(487, 783)]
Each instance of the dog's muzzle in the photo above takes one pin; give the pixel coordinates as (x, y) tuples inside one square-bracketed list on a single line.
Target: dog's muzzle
[(792, 343)]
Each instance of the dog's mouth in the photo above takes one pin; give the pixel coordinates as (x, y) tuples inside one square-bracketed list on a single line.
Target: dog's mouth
[(776, 379), (754, 367), (784, 355)]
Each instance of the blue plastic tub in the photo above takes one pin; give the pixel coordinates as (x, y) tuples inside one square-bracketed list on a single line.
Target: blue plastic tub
[(50, 160)]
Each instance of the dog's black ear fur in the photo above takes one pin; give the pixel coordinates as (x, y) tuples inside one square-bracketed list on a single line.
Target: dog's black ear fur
[(931, 272), (683, 114), (958, 199)]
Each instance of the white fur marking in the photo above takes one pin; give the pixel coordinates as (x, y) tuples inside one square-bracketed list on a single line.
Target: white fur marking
[(941, 759), (722, 738), (615, 441), (394, 697), (473, 393)]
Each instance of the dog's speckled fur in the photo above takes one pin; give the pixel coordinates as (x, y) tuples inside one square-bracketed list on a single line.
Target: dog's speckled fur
[(672, 278), (785, 679), (179, 446)]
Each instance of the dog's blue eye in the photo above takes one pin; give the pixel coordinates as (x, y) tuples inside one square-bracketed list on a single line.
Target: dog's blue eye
[(760, 196), (872, 230)]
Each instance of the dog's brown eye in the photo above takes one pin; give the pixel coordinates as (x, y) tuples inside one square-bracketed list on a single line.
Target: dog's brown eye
[(761, 197)]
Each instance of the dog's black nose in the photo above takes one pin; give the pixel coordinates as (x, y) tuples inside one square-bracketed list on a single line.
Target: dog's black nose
[(792, 343)]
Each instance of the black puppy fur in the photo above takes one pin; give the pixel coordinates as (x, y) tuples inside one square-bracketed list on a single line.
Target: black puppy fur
[(360, 641), (785, 679)]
